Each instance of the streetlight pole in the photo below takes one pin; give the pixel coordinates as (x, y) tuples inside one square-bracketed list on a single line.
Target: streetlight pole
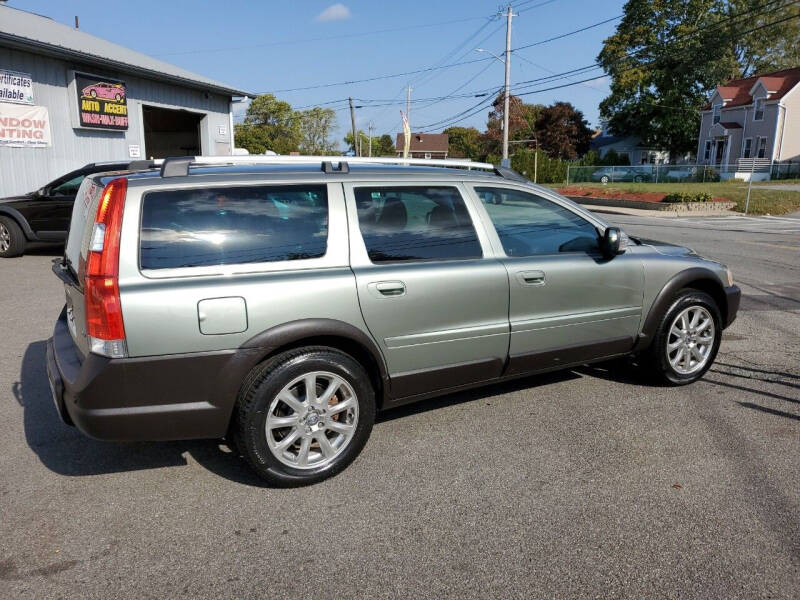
[(353, 122), (509, 15), (370, 128)]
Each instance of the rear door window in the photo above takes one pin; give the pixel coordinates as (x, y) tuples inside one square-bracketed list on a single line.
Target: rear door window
[(415, 223), (220, 226)]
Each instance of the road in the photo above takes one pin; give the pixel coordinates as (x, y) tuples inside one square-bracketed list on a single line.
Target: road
[(590, 483)]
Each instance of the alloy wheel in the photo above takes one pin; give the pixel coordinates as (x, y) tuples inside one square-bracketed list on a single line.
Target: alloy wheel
[(5, 238), (690, 340), (312, 420)]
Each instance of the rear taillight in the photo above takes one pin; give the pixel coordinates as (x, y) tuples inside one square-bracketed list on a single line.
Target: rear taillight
[(100, 283)]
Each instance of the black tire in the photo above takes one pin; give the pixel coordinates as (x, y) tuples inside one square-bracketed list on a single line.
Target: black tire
[(656, 360), (604, 179), (638, 179), (266, 382), (16, 241)]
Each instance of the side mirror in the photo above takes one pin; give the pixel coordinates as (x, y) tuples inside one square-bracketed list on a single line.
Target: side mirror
[(611, 243)]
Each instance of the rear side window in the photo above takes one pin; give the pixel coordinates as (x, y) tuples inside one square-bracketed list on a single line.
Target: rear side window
[(415, 223), (220, 226)]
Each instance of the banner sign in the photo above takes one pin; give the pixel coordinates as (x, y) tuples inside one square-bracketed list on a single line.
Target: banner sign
[(24, 126), (16, 87), (102, 103)]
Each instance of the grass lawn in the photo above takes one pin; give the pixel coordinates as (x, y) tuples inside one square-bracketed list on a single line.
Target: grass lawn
[(762, 201)]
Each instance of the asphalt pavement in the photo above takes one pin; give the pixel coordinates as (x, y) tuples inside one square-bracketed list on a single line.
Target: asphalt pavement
[(591, 483)]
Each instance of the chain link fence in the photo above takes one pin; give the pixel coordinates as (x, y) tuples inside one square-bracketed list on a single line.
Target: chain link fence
[(758, 169)]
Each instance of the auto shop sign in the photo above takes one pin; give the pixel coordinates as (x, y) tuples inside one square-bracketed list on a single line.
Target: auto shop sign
[(24, 126), (102, 102), (16, 87)]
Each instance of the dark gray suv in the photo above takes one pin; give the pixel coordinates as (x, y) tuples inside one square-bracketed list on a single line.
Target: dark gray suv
[(279, 302)]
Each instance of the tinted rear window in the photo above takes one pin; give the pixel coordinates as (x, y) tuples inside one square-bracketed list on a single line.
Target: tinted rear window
[(217, 226), (415, 224)]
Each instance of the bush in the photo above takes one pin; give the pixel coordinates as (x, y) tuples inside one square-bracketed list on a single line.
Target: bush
[(548, 170), (688, 197)]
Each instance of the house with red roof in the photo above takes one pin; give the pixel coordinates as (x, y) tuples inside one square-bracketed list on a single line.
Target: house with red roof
[(754, 117)]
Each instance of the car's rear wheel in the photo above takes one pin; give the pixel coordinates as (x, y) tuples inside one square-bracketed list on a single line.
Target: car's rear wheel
[(687, 339), (12, 240), (304, 415)]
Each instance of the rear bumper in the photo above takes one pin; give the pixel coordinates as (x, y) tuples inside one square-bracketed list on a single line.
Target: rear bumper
[(733, 295), (175, 397)]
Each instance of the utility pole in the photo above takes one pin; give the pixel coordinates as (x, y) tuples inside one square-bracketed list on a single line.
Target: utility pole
[(370, 128), (509, 15), (353, 122), (408, 105)]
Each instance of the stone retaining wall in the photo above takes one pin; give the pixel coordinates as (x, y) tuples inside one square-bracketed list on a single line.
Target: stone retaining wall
[(720, 207)]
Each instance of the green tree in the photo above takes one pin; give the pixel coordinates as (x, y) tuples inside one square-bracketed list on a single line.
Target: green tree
[(269, 124), (384, 146), (667, 55), (465, 142), (316, 128), (769, 49), (381, 145)]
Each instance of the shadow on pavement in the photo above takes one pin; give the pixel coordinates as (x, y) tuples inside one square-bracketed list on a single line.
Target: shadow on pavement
[(772, 411), (66, 451), (762, 371), (480, 393)]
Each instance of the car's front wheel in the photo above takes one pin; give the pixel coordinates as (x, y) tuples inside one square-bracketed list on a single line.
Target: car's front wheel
[(604, 179), (304, 415), (12, 240), (687, 339)]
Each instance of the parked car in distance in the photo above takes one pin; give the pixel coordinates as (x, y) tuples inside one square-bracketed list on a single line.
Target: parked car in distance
[(612, 174), (43, 215), (106, 91), (279, 302)]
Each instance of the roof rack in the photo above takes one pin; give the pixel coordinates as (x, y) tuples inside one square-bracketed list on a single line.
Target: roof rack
[(178, 166)]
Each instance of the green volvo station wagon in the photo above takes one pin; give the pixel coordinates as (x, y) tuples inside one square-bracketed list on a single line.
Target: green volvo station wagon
[(279, 302)]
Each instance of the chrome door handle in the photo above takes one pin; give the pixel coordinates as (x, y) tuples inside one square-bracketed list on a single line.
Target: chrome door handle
[(531, 277), (388, 289)]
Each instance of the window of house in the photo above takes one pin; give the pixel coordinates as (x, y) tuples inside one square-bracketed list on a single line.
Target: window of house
[(748, 143), (716, 114), (762, 147), (221, 226), (758, 114), (529, 225), (707, 151), (415, 223)]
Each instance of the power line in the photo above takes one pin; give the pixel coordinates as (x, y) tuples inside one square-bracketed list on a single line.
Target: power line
[(295, 41), (569, 33), (562, 75), (392, 76), (458, 117)]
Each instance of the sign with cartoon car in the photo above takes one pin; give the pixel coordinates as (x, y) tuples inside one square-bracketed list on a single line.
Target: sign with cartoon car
[(107, 91), (102, 102)]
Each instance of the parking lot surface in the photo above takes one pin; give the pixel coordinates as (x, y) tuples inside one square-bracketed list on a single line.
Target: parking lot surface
[(590, 483)]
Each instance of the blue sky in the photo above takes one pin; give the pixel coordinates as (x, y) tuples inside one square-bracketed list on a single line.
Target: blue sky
[(267, 46)]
